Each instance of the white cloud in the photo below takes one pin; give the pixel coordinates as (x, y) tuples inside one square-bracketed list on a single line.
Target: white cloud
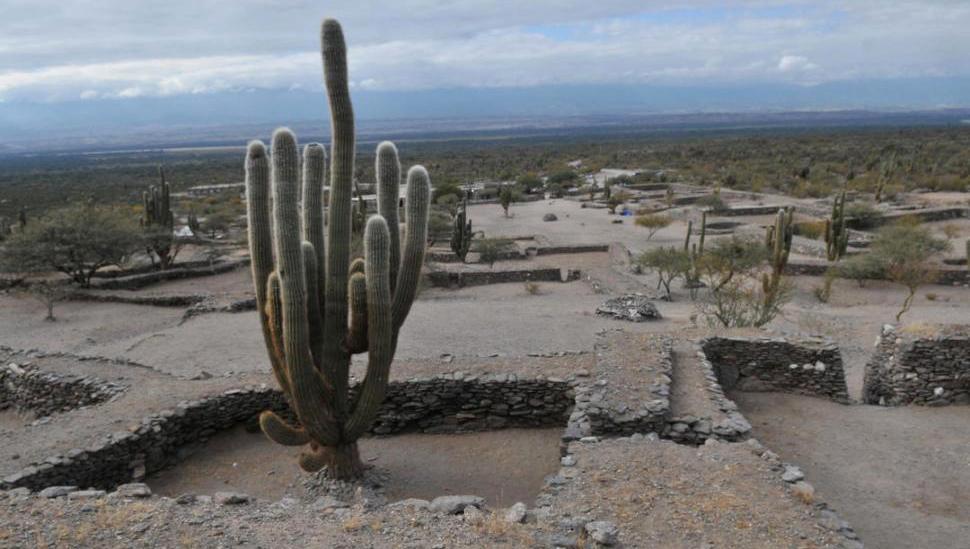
[(182, 47)]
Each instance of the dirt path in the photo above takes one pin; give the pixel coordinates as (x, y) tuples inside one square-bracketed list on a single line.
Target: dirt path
[(900, 476), (688, 387), (504, 467)]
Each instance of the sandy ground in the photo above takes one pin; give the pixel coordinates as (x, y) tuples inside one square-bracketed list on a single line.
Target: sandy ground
[(900, 476), (504, 466)]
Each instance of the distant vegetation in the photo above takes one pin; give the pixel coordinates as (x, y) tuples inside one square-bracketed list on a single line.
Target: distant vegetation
[(801, 163)]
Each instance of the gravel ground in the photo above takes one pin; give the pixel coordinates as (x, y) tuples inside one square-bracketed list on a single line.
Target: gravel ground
[(900, 476)]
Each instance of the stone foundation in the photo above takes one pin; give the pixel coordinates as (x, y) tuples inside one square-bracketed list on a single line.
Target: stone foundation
[(27, 389), (930, 369), (807, 366), (460, 279), (443, 404)]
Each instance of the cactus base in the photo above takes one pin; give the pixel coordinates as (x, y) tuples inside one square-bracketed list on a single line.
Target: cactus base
[(342, 461)]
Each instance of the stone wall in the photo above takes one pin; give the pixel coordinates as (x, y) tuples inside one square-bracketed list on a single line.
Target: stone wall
[(943, 275), (27, 389), (446, 403), (930, 369), (460, 279), (137, 281), (806, 366)]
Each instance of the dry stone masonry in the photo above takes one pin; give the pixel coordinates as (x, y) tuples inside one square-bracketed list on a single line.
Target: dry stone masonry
[(911, 368), (446, 403), (27, 389), (805, 366)]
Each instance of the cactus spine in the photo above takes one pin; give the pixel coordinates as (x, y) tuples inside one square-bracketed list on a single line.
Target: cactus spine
[(461, 233), (307, 288), (159, 222), (836, 235)]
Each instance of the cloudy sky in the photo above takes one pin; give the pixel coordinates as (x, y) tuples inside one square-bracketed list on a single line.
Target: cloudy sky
[(107, 52)]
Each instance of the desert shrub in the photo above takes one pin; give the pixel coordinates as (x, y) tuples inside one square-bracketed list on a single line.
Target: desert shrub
[(439, 225), (726, 258), (566, 177), (652, 223), (532, 288), (860, 268), (490, 249), (528, 183), (904, 251), (77, 241), (864, 214), (447, 188), (507, 196), (714, 202), (668, 263), (742, 302), (811, 229)]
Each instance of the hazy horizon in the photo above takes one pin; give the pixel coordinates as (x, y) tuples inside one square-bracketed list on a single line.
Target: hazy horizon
[(110, 67)]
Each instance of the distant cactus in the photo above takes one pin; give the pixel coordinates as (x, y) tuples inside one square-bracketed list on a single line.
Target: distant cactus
[(461, 233), (778, 241), (22, 217), (5, 228), (159, 223), (887, 170), (692, 279), (359, 217), (836, 234), (966, 253), (192, 221), (307, 288)]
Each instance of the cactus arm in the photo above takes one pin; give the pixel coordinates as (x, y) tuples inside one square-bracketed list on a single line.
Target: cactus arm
[(261, 249), (314, 173), (416, 210), (281, 432), (388, 170), (274, 316), (357, 336), (700, 245), (311, 397), (380, 338), (335, 358), (314, 318)]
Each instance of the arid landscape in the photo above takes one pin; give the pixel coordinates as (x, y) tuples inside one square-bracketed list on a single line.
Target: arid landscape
[(666, 330)]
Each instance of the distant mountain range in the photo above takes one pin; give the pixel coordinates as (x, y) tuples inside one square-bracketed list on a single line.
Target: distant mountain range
[(233, 118)]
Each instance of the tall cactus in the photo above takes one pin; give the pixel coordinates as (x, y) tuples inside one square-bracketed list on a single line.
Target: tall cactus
[(778, 240), (159, 222), (317, 308), (836, 235), (694, 253), (461, 232)]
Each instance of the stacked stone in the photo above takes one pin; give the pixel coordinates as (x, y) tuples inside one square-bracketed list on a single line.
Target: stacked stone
[(596, 415), (27, 389), (137, 281), (730, 425), (929, 370), (446, 403), (803, 366), (460, 279)]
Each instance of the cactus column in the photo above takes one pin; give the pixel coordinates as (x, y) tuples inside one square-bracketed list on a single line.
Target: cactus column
[(461, 233), (317, 308), (836, 234), (159, 222)]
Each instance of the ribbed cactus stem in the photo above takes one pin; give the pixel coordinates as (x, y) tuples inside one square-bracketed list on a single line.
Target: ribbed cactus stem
[(836, 234), (317, 309), (461, 232), (388, 170), (700, 242)]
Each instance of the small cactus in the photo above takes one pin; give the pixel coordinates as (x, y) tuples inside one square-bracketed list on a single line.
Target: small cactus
[(836, 235), (159, 223), (461, 234), (695, 252), (316, 307), (778, 240)]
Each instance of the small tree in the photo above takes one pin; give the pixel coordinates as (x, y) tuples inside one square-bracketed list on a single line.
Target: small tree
[(615, 199), (903, 250), (77, 241), (529, 183), (506, 197), (49, 293), (490, 249), (669, 264), (652, 223), (726, 258), (217, 222)]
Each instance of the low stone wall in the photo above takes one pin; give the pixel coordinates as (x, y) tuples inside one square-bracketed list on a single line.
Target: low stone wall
[(924, 215), (807, 366), (460, 279), (446, 403), (730, 426), (579, 249), (27, 389), (943, 275), (135, 282), (596, 415), (153, 300), (736, 211), (932, 370)]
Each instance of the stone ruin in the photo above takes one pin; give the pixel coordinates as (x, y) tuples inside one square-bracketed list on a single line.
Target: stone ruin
[(928, 366), (631, 307)]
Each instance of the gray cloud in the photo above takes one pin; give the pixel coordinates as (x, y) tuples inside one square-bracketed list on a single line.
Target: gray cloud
[(112, 49)]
